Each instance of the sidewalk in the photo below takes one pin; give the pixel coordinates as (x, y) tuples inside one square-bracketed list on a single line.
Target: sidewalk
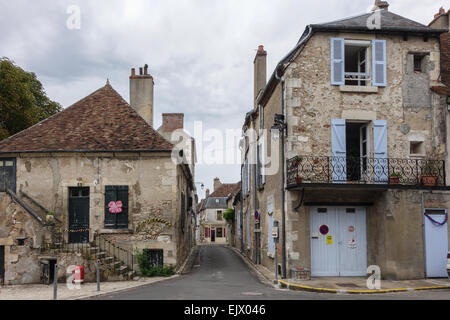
[(44, 292), (346, 285)]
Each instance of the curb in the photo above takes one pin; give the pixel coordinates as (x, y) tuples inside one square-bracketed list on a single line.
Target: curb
[(296, 287), (122, 290), (259, 274)]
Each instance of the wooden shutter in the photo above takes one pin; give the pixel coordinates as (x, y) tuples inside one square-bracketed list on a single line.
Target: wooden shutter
[(116, 220), (339, 150), (337, 61), (379, 63), (380, 149)]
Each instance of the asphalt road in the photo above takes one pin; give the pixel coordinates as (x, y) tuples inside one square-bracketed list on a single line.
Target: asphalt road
[(220, 274)]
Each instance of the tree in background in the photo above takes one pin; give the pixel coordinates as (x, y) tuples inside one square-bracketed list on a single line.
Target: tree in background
[(23, 101)]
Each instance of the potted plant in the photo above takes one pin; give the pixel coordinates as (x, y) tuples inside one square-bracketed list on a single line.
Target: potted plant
[(394, 178), (297, 161), (429, 178), (50, 218)]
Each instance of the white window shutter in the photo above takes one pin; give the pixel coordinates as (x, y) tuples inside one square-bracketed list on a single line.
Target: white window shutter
[(337, 61), (379, 65), (270, 240), (339, 150), (380, 148)]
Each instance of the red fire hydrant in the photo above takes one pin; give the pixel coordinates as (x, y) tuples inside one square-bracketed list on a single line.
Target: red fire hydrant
[(78, 276)]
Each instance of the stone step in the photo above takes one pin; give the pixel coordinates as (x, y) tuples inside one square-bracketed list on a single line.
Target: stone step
[(108, 259), (99, 254), (123, 268)]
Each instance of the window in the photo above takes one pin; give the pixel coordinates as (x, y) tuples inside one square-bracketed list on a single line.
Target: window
[(356, 66), (116, 207), (219, 233), (418, 62), (358, 62), (417, 148), (219, 216)]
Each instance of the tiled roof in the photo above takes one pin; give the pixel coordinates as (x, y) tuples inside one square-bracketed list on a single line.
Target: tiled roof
[(226, 189), (103, 121), (389, 22)]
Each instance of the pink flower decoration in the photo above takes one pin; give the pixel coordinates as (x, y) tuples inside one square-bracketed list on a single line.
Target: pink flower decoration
[(115, 207)]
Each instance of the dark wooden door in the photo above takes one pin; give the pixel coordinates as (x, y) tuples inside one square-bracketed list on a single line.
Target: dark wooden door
[(78, 215), (213, 235), (7, 174), (155, 257), (2, 264), (116, 220)]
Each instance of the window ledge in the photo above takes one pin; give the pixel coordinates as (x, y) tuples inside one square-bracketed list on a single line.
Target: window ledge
[(360, 89), (115, 231)]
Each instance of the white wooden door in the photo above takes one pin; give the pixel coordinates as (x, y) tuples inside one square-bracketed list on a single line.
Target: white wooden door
[(338, 242), (324, 253), (352, 242), (436, 243)]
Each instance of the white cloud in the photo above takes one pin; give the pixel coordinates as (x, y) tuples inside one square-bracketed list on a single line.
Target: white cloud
[(200, 52)]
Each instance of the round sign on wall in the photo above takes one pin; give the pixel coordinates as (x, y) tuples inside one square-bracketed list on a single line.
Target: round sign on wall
[(324, 230), (351, 229)]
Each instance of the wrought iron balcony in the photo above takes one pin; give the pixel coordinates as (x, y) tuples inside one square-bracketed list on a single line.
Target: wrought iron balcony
[(303, 170)]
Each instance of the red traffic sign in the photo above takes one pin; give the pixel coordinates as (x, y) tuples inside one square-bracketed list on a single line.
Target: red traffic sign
[(324, 230)]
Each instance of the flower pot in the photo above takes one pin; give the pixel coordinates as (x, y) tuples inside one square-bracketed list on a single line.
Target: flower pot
[(394, 180), (429, 181), (50, 219)]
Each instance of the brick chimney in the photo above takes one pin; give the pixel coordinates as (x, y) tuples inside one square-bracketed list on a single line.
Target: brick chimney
[(441, 12), (260, 71), (172, 122), (207, 193), (217, 184), (381, 5), (141, 93)]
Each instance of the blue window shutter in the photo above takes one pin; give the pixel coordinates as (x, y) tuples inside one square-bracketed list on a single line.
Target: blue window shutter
[(379, 69), (337, 61), (271, 242), (339, 150), (380, 148)]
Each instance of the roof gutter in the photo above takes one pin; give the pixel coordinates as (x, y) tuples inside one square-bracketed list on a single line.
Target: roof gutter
[(340, 28), (85, 151)]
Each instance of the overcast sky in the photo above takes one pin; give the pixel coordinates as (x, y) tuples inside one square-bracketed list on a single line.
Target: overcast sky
[(200, 52)]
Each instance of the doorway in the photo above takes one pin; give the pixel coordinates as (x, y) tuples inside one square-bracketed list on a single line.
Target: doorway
[(79, 215), (436, 243), (357, 143), (213, 235), (338, 242), (2, 264)]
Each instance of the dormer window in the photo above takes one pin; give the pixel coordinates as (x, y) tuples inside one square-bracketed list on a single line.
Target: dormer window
[(358, 62)]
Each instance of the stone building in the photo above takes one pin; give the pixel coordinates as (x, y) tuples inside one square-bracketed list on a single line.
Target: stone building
[(109, 181), (214, 228), (358, 145)]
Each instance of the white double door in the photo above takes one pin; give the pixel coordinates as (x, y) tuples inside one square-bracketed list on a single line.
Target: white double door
[(338, 242)]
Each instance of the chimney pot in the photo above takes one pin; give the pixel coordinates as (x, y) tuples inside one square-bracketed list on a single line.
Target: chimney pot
[(140, 71), (133, 72), (146, 69), (381, 5)]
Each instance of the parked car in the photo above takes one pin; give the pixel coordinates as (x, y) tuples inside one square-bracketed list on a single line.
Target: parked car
[(448, 264)]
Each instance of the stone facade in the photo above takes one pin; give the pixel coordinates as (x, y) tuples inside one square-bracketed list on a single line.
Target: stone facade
[(304, 94)]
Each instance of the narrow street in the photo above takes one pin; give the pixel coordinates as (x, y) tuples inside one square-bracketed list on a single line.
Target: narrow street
[(222, 275)]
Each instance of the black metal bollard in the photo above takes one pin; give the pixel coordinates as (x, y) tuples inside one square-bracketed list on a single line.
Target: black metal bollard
[(55, 282), (98, 274)]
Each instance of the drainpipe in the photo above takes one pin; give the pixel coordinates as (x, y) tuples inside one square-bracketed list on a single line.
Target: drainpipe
[(255, 200), (283, 191), (241, 218)]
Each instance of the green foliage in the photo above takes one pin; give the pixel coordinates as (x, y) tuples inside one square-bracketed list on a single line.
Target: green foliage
[(148, 270), (23, 101), (50, 213), (396, 175), (229, 215)]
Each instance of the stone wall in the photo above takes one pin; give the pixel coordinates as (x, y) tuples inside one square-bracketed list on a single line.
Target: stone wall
[(21, 261)]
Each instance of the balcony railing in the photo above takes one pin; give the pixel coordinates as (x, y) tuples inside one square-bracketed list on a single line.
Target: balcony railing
[(364, 170)]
